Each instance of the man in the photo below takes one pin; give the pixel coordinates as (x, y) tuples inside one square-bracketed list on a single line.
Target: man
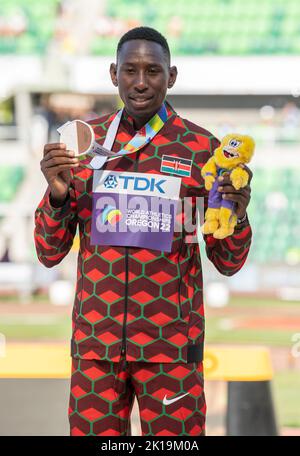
[(138, 317)]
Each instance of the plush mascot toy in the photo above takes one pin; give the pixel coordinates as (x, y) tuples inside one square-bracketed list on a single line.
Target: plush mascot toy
[(233, 152)]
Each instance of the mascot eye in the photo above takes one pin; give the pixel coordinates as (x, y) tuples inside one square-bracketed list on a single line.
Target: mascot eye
[(234, 143)]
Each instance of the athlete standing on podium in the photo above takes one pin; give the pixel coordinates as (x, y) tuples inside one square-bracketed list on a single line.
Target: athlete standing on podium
[(138, 315)]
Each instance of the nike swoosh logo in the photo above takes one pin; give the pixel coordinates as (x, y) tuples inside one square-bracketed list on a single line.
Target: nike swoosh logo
[(170, 401)]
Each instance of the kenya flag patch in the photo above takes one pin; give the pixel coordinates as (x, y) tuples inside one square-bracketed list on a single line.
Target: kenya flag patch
[(176, 165)]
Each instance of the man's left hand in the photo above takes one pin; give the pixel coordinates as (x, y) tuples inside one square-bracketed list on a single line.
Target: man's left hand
[(241, 197)]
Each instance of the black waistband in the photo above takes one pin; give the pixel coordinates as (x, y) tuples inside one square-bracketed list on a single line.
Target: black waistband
[(195, 353)]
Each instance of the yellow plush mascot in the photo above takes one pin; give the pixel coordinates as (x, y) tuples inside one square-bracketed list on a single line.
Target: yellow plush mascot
[(233, 152)]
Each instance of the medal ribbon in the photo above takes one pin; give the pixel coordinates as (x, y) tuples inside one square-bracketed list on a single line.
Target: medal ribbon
[(140, 139)]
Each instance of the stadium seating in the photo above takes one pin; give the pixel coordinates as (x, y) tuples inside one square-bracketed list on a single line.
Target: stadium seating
[(222, 27), (274, 215), (39, 18), (215, 27)]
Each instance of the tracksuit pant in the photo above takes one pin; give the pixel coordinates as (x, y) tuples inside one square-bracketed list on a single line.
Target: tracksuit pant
[(170, 398)]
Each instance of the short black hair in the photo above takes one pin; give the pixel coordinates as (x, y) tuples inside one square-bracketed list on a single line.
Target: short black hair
[(145, 33)]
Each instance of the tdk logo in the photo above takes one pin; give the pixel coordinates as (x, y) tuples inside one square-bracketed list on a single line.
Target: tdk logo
[(142, 183), (111, 181)]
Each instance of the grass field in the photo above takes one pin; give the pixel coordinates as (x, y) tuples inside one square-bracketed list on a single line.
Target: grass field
[(220, 330), (36, 327), (286, 385), (222, 325)]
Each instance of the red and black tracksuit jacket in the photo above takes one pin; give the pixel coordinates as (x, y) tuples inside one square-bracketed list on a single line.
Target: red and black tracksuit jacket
[(146, 304)]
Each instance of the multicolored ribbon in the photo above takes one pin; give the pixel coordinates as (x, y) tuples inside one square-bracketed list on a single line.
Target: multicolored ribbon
[(151, 129), (140, 139)]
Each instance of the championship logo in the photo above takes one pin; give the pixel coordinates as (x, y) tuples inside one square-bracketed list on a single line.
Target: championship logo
[(111, 215)]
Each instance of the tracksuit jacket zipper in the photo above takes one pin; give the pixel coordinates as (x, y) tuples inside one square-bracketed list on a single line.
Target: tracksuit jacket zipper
[(180, 277), (123, 347)]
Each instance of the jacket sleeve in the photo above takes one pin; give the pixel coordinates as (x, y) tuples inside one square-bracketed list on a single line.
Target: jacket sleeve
[(228, 255), (55, 228)]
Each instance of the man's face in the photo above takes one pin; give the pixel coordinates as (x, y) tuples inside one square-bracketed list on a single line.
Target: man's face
[(143, 75)]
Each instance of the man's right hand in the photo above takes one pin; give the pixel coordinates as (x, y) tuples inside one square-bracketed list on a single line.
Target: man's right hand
[(56, 166)]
